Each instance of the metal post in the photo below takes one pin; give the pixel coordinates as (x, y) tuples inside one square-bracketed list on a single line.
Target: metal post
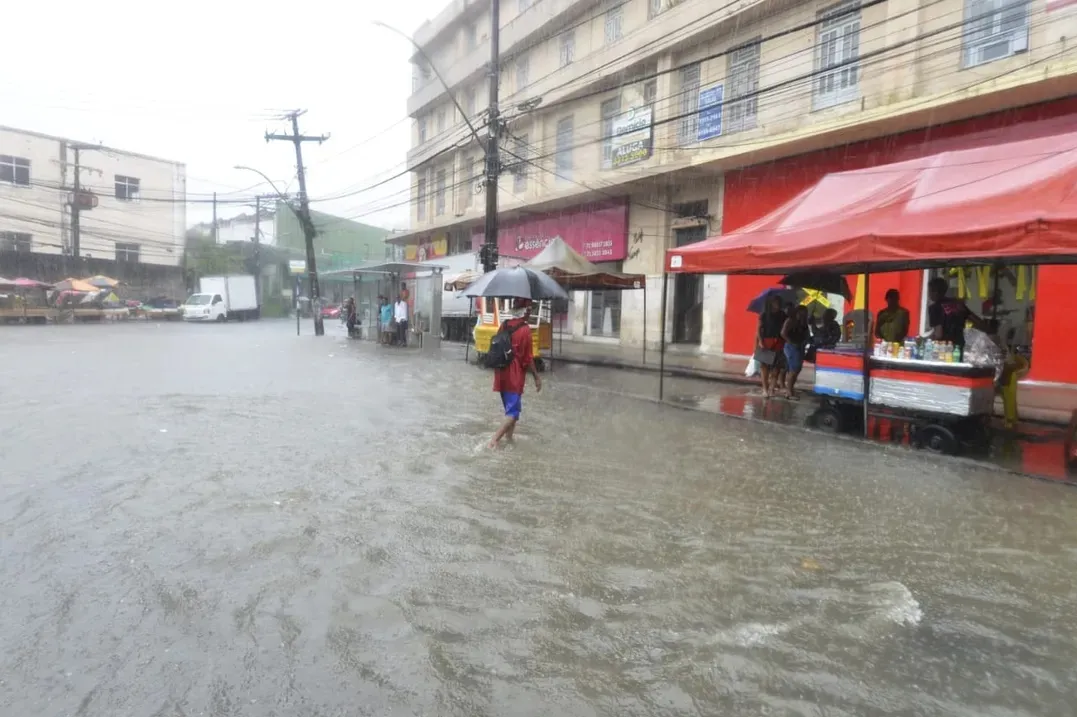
[(468, 334), (645, 324), (662, 338), (867, 349), (297, 293)]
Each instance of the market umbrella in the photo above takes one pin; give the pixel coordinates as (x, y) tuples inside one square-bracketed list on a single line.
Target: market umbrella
[(24, 283), (70, 284), (517, 283), (103, 282), (759, 303), (818, 280)]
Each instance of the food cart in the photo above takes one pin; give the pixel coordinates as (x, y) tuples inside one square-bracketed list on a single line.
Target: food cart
[(490, 312), (1005, 202)]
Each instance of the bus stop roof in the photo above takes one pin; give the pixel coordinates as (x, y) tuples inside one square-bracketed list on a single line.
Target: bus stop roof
[(384, 267)]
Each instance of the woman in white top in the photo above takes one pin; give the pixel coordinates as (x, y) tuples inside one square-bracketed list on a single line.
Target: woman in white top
[(400, 316)]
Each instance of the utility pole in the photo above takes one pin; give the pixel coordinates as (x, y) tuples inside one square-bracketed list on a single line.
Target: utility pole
[(75, 228), (257, 247), (216, 239), (488, 254), (304, 212)]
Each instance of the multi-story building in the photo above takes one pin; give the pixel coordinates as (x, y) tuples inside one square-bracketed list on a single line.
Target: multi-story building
[(134, 205), (634, 126)]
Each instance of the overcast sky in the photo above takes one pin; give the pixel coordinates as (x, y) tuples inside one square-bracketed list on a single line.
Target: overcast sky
[(199, 82)]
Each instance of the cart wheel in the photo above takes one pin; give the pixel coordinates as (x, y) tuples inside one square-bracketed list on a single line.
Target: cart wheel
[(938, 439), (829, 419)]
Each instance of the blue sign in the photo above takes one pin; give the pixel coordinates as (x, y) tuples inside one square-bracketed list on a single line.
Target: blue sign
[(710, 111)]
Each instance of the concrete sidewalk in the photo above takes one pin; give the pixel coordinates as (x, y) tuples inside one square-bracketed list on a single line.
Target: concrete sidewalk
[(1037, 402)]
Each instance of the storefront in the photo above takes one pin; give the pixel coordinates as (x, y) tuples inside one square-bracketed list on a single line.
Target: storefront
[(1013, 294), (598, 231)]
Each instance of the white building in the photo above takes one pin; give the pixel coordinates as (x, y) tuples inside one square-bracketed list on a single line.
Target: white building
[(243, 226), (140, 212)]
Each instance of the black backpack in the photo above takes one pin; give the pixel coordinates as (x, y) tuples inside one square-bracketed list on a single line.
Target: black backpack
[(501, 354)]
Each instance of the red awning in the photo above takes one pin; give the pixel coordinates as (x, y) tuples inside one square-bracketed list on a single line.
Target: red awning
[(1014, 201)]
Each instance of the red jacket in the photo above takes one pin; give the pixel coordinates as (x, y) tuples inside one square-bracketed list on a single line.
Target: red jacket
[(511, 378)]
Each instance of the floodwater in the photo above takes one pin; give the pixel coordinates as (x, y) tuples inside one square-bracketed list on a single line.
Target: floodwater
[(230, 520)]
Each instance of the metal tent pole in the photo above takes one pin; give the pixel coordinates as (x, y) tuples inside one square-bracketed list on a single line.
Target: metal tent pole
[(644, 324), (662, 339), (468, 333), (867, 349)]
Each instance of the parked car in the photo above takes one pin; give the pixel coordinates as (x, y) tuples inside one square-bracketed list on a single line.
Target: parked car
[(331, 311)]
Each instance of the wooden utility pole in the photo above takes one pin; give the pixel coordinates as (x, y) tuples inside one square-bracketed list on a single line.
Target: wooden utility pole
[(216, 239), (257, 248), (304, 212), (488, 254), (76, 229)]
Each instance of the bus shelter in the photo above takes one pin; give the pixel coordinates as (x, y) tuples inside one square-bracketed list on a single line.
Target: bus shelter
[(423, 282), (1006, 202)]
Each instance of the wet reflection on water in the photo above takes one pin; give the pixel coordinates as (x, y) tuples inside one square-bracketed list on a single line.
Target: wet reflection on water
[(312, 527)]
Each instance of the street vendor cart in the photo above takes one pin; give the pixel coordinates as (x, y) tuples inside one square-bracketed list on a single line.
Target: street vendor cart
[(1001, 202), (491, 311)]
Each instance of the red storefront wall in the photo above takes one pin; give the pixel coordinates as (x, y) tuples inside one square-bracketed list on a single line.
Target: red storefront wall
[(752, 192)]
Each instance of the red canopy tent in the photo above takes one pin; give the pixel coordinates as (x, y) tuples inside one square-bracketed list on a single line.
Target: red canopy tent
[(1011, 201), (1014, 201)]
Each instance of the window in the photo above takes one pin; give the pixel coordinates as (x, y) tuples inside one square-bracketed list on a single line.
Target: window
[(469, 101), (742, 81), (994, 29), (127, 252), (126, 189), (422, 129), (471, 37), (655, 7), (420, 199), (523, 68), (837, 52), (439, 193), (605, 313), (610, 109), (568, 48), (650, 92), (441, 120), (14, 170), (614, 21), (688, 110), (563, 154), (16, 241), (520, 167)]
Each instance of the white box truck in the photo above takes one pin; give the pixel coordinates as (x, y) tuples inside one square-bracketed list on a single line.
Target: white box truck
[(223, 298)]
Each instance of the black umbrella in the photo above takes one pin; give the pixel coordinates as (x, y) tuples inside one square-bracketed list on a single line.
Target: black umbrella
[(818, 280), (517, 283), (788, 296)]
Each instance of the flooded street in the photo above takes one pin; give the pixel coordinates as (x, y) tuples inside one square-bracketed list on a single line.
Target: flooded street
[(228, 520)]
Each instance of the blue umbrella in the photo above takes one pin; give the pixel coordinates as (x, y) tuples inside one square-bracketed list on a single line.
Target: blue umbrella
[(788, 296)]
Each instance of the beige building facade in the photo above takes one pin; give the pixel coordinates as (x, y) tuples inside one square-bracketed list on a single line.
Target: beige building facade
[(138, 212), (661, 104)]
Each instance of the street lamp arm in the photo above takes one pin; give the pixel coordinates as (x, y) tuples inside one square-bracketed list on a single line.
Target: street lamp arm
[(434, 69), (269, 181)]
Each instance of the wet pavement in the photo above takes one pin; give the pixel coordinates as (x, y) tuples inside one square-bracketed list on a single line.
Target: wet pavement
[(228, 520)]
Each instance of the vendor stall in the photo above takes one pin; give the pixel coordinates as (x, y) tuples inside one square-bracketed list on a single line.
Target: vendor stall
[(1011, 202)]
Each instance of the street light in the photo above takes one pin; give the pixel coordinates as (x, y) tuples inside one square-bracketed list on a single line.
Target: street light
[(269, 181)]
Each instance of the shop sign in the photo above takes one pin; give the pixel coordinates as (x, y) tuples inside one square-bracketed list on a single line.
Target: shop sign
[(297, 266), (432, 248), (1053, 5), (597, 231), (631, 141), (710, 111)]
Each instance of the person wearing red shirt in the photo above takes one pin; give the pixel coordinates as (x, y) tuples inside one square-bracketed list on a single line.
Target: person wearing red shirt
[(509, 381)]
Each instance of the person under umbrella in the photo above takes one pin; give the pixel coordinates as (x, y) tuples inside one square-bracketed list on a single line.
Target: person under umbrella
[(769, 343), (509, 380)]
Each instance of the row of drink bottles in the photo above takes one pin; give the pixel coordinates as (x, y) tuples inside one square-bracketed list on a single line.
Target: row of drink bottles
[(919, 349)]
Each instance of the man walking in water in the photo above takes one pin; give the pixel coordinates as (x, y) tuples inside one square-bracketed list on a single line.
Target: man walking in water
[(510, 379)]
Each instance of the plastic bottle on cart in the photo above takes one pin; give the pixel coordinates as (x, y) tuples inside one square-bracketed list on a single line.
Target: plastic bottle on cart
[(957, 354)]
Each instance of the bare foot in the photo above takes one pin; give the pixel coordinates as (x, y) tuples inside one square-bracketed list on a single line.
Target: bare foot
[(492, 445)]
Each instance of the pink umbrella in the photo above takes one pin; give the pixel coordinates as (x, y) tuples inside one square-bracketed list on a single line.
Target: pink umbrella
[(23, 283)]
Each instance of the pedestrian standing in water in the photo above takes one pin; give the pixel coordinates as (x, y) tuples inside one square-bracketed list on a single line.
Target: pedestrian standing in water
[(768, 343), (400, 316), (385, 320), (795, 335), (510, 354)]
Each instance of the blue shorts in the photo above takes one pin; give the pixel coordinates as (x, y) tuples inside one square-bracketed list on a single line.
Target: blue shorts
[(794, 357), (513, 403)]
